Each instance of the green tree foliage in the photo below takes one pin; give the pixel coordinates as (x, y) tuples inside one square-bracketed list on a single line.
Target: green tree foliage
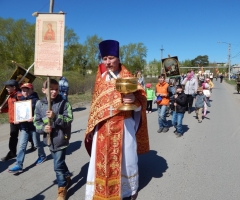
[(92, 52), (133, 56), (200, 61), (16, 42), (72, 50), (185, 63), (153, 68), (73, 56), (70, 38)]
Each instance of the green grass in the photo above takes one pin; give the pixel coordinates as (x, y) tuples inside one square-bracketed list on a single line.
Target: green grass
[(3, 118), (231, 82), (80, 99)]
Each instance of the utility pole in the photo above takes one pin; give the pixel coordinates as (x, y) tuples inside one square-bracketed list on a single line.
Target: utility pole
[(51, 6), (229, 60), (48, 86), (161, 59)]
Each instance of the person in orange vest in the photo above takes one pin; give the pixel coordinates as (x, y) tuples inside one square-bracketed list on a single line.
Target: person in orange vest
[(161, 93)]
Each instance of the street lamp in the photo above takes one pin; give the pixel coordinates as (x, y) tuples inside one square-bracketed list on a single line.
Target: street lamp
[(229, 57)]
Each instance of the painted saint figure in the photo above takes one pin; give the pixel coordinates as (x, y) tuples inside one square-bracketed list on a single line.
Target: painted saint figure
[(50, 34)]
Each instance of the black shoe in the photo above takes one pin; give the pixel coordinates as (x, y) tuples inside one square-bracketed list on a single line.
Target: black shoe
[(9, 156), (133, 197), (33, 148), (179, 135), (165, 129), (175, 132), (160, 130), (189, 110)]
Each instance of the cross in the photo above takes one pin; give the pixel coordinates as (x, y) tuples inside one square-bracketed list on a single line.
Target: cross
[(111, 109)]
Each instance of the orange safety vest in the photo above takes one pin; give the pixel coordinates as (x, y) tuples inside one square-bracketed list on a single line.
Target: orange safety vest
[(162, 89)]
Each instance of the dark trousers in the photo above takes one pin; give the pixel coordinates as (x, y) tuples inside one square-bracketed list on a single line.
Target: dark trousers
[(13, 140), (189, 101), (149, 105)]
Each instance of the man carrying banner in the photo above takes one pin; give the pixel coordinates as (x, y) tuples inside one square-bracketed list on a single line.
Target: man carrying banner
[(114, 137)]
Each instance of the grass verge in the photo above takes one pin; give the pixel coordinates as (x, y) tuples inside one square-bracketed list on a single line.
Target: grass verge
[(231, 82)]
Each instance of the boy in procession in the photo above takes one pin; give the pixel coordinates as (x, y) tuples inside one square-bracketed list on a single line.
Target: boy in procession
[(14, 95), (59, 131), (27, 128), (178, 107)]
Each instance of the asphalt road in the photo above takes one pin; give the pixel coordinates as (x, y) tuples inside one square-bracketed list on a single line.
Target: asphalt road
[(201, 165)]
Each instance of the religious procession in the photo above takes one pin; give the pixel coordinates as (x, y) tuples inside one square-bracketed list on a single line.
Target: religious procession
[(120, 100), (115, 87), (117, 149)]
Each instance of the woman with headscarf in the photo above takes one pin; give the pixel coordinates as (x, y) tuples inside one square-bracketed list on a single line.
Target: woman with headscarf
[(190, 87)]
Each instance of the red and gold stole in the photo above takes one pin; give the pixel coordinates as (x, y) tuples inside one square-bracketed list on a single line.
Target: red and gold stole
[(110, 135)]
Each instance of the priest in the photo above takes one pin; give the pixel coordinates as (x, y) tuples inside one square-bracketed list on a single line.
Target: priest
[(114, 137)]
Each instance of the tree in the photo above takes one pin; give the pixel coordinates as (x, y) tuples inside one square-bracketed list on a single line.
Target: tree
[(153, 68), (200, 61), (185, 63), (17, 40), (73, 57), (70, 37), (72, 50), (92, 52), (133, 56)]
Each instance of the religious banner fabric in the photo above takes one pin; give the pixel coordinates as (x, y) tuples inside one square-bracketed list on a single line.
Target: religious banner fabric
[(49, 44)]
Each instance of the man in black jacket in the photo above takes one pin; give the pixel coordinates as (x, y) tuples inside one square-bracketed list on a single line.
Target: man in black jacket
[(178, 105)]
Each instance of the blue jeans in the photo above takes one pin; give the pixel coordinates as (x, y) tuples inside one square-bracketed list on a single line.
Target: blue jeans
[(23, 140), (60, 167), (177, 121), (162, 122)]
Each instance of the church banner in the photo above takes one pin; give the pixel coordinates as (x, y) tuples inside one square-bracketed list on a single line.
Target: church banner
[(49, 44), (171, 66)]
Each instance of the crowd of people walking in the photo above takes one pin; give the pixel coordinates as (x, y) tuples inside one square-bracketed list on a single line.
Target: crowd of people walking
[(113, 169), (175, 97)]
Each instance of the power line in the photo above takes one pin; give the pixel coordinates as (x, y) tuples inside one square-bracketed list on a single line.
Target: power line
[(238, 54)]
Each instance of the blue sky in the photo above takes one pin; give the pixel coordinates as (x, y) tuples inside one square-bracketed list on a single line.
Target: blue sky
[(184, 28)]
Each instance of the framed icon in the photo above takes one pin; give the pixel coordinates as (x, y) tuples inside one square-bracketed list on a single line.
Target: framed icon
[(22, 110), (171, 66), (17, 75)]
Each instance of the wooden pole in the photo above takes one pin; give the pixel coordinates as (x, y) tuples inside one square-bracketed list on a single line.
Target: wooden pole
[(48, 86)]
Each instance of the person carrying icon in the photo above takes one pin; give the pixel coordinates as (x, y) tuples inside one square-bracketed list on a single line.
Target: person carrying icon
[(27, 128)]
